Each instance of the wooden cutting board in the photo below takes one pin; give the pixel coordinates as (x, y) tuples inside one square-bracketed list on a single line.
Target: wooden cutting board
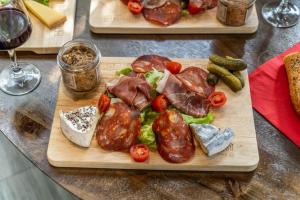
[(48, 41), (242, 155), (112, 16)]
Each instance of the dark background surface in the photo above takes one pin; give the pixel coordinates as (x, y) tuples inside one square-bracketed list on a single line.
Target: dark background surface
[(27, 120)]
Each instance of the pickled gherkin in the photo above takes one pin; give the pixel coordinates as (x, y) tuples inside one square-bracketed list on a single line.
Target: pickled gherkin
[(228, 62), (239, 75), (227, 77)]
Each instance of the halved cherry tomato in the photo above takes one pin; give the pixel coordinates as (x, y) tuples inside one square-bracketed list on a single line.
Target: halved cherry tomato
[(139, 152), (103, 103), (217, 99), (135, 6), (160, 103), (195, 7), (173, 67)]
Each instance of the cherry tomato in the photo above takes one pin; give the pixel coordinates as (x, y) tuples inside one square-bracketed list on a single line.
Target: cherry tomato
[(135, 6), (139, 152), (103, 103), (217, 99), (195, 7), (173, 67), (160, 103)]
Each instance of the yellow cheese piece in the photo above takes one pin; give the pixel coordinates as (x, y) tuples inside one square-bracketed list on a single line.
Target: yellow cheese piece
[(47, 15)]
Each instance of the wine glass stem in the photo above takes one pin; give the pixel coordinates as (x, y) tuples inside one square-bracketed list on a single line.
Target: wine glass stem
[(16, 71)]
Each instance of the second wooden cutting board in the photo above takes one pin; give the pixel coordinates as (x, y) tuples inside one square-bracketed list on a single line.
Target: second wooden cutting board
[(242, 155)]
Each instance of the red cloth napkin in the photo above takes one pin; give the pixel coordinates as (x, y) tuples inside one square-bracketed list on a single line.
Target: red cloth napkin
[(270, 96)]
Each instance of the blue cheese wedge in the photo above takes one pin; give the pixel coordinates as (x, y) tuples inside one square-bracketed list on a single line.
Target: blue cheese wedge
[(79, 125), (212, 139)]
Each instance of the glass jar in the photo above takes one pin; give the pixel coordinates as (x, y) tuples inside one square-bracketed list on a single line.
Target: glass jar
[(234, 12), (79, 64)]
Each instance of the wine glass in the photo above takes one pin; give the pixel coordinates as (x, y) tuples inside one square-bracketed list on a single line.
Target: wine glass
[(15, 29), (281, 14)]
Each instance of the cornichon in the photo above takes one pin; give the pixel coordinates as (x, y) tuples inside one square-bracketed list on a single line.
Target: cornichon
[(212, 79), (239, 76), (228, 62), (228, 78)]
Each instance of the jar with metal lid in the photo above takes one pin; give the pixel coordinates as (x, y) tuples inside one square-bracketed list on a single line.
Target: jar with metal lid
[(79, 64), (234, 12)]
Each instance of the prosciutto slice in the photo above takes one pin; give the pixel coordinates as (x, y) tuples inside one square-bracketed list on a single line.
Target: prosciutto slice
[(186, 100), (135, 91)]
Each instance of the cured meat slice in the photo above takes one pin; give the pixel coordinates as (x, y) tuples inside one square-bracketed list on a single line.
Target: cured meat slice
[(175, 142), (147, 63), (135, 91), (165, 15), (181, 97), (153, 3), (209, 4), (195, 79), (119, 128)]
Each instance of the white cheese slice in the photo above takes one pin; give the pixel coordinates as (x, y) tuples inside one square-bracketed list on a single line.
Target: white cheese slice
[(211, 138), (79, 125)]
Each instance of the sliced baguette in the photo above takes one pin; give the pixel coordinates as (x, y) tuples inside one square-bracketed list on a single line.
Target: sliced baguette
[(292, 67)]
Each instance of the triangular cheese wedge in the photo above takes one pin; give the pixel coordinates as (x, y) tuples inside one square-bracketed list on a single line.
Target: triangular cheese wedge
[(79, 125), (47, 15)]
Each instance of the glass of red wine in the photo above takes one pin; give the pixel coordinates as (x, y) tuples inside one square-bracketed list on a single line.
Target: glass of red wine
[(15, 28)]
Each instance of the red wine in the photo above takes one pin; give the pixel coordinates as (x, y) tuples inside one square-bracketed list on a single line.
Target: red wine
[(15, 28)]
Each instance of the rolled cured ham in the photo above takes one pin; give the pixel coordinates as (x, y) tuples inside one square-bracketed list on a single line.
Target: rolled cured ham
[(135, 91), (175, 142), (119, 128)]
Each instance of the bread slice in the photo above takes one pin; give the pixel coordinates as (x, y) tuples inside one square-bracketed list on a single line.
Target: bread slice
[(292, 67)]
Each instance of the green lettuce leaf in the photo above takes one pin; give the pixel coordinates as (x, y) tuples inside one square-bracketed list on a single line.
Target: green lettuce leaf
[(198, 120), (153, 76), (44, 2), (124, 71), (147, 136)]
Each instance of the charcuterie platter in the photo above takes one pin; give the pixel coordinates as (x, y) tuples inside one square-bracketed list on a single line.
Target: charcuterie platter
[(240, 155), (108, 16), (45, 40)]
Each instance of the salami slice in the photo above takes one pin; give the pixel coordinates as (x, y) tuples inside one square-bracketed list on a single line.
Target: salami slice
[(165, 15), (195, 79), (119, 128), (174, 139), (147, 63), (209, 4)]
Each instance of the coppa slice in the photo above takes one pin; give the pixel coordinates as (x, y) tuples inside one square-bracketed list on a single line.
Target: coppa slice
[(195, 79), (147, 63), (165, 15), (119, 128), (175, 142), (134, 91), (181, 97)]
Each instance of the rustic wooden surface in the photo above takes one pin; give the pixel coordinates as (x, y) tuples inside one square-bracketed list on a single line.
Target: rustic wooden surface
[(108, 16), (241, 155), (26, 121), (44, 40)]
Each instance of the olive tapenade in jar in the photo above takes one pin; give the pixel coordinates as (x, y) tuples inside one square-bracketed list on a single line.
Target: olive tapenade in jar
[(234, 12), (78, 61)]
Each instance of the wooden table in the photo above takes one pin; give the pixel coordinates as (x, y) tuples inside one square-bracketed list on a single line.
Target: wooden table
[(26, 121)]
